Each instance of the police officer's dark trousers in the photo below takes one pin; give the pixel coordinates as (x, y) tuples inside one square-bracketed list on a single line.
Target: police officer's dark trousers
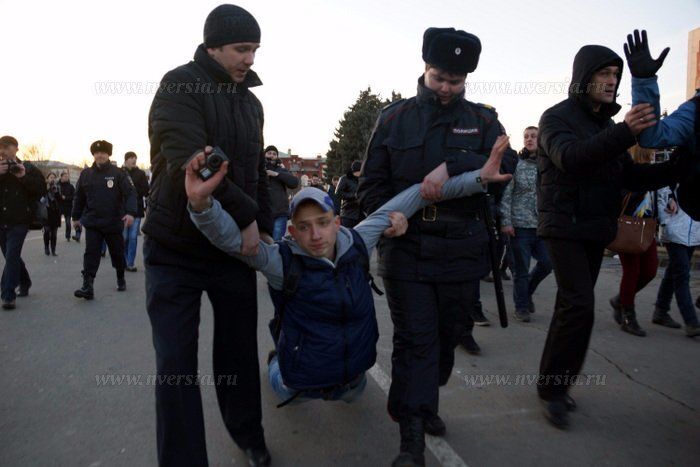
[(93, 247), (174, 285), (428, 317), (576, 267)]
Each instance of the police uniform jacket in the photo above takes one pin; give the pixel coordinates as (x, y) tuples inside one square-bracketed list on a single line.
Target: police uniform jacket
[(447, 242), (103, 195)]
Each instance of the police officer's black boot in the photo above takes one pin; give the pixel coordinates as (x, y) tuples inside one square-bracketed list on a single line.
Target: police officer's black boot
[(121, 282), (86, 291), (412, 443), (629, 322)]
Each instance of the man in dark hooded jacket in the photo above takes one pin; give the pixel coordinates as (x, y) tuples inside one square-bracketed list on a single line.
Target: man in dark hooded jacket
[(207, 102), (583, 165), (346, 191), (280, 180)]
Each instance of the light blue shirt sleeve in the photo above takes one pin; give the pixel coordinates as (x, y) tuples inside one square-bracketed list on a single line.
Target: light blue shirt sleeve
[(674, 130), (223, 232), (409, 201)]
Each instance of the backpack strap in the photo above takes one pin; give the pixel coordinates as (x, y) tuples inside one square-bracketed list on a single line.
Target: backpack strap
[(292, 269), (364, 260)]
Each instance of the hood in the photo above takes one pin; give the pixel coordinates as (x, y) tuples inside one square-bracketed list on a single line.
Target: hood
[(588, 60), (202, 58), (343, 242)]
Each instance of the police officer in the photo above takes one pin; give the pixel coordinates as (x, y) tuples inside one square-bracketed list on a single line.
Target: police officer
[(104, 203), (431, 273)]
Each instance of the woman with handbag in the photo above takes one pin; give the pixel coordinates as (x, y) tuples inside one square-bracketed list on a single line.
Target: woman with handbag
[(53, 220), (638, 268)]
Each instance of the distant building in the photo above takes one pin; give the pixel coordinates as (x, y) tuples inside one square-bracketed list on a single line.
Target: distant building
[(304, 168), (59, 167)]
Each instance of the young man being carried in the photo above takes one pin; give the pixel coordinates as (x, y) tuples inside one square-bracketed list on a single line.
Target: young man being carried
[(311, 361)]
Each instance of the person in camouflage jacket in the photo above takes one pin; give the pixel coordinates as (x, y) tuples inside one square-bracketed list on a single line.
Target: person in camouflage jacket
[(518, 209)]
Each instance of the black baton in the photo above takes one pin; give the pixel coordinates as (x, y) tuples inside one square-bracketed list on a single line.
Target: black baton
[(495, 260)]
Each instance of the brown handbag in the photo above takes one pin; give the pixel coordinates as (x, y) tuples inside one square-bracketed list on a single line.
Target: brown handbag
[(634, 234)]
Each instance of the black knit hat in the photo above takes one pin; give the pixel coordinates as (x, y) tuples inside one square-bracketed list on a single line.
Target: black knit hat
[(451, 50), (271, 148), (101, 146), (230, 24)]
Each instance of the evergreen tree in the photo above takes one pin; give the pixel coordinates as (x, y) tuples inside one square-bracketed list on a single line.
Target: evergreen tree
[(354, 131)]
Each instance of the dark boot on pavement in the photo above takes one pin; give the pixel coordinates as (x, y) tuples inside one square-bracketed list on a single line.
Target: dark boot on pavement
[(8, 305), (434, 425), (556, 412), (522, 315), (629, 322), (412, 443), (662, 318), (467, 341), (86, 291), (617, 309), (692, 330), (478, 316), (23, 289), (121, 282)]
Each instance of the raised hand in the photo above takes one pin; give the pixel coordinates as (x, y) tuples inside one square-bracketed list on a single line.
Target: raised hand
[(639, 58), (490, 172)]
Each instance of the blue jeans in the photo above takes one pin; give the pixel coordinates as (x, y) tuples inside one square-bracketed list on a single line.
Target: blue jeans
[(15, 272), (279, 228), (348, 393), (527, 245), (131, 236), (676, 281)]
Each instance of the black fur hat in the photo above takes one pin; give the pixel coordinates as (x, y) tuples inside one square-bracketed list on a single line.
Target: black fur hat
[(101, 146), (451, 50)]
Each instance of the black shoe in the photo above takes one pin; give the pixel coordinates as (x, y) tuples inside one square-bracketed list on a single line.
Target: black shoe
[(692, 330), (469, 344), (68, 239), (103, 254), (131, 268), (522, 315), (488, 278), (412, 443), (86, 291), (77, 239), (504, 275), (479, 318), (53, 253), (617, 309), (121, 284), (46, 251), (8, 305), (662, 318), (258, 457), (629, 322), (433, 425), (531, 307), (23, 290), (556, 413)]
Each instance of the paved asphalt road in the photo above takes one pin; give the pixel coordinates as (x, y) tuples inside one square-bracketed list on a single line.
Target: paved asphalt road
[(645, 409)]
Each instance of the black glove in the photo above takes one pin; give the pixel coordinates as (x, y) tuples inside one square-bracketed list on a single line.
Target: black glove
[(638, 57)]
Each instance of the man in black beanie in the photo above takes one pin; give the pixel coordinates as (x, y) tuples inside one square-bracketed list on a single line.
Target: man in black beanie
[(104, 203), (431, 274), (207, 102)]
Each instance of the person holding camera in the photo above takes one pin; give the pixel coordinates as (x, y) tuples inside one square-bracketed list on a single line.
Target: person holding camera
[(105, 203), (280, 180), (21, 186), (53, 220), (221, 110)]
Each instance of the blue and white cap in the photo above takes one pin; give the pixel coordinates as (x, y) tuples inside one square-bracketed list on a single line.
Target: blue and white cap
[(320, 197)]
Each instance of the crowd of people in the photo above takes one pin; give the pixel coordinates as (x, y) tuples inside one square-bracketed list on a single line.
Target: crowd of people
[(437, 167)]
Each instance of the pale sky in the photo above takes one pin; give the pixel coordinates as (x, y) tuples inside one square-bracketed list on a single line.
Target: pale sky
[(315, 58)]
